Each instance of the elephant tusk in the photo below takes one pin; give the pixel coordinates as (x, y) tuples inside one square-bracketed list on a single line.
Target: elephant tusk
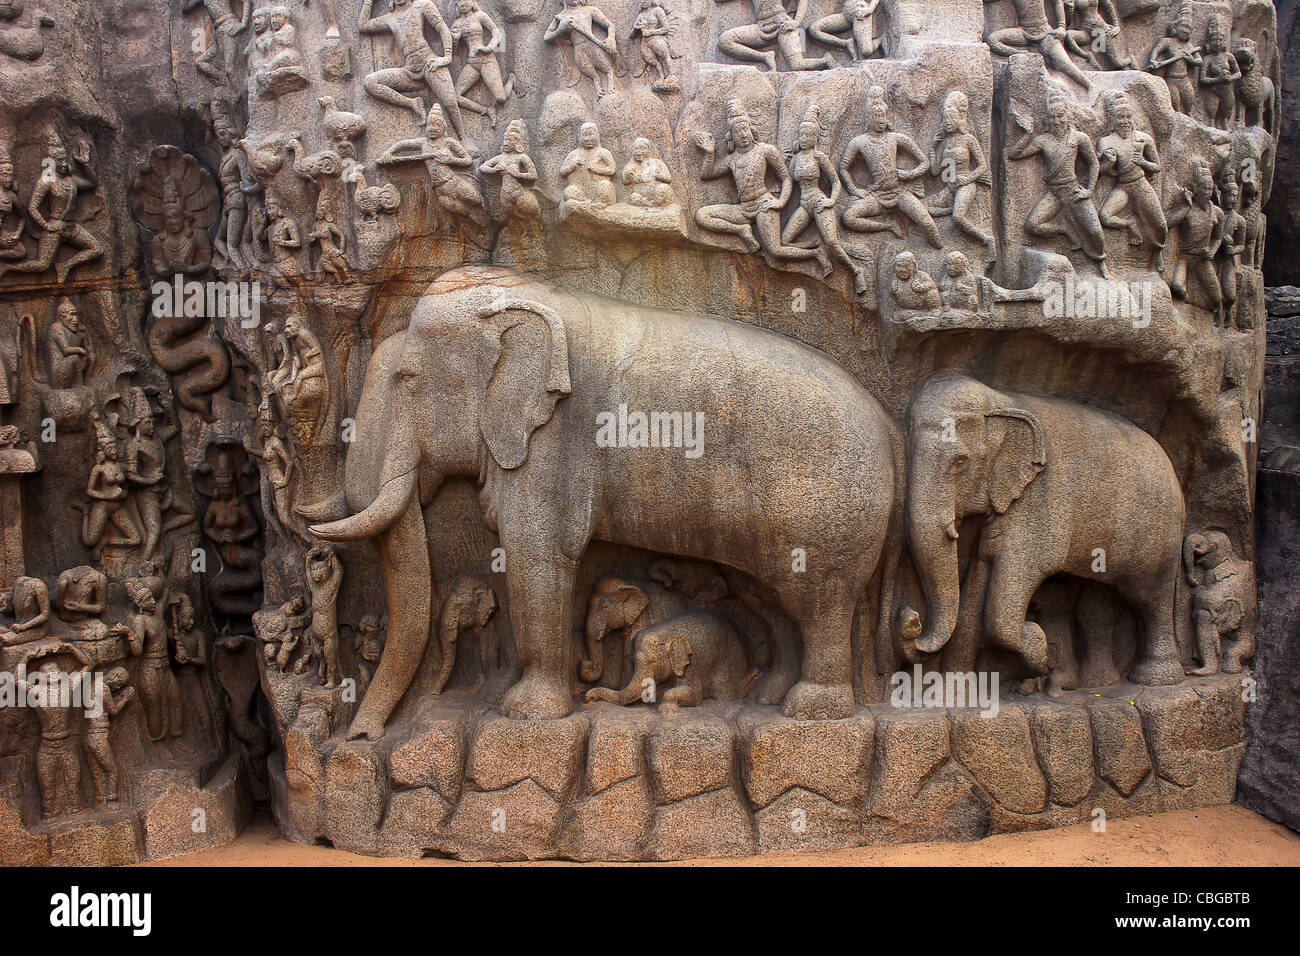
[(393, 497)]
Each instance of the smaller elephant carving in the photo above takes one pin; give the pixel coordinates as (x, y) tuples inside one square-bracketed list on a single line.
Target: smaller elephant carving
[(469, 606), (623, 603), (1222, 592), (695, 654)]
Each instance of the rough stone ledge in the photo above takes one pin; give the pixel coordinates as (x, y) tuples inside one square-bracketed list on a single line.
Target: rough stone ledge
[(611, 783)]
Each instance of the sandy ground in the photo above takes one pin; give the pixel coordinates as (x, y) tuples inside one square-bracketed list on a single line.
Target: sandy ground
[(1216, 836)]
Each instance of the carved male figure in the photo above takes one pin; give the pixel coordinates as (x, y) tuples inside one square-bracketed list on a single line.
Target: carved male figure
[(58, 186), (647, 178), (855, 20), (1129, 154), (99, 751), (1200, 225), (421, 69), (1095, 28), (516, 203), (1232, 246), (1217, 75), (653, 27), (748, 163), (483, 41), (593, 57), (1033, 29), (1176, 58), (775, 25), (146, 635), (874, 207), (1062, 147), (588, 170), (447, 162), (58, 765)]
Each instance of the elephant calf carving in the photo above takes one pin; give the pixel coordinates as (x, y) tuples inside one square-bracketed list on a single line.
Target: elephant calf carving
[(695, 655), (501, 377), (1063, 489)]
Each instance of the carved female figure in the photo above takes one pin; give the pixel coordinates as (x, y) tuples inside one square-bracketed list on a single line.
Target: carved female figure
[(483, 41), (854, 19), (285, 240), (444, 157), (421, 69), (12, 220), (810, 167), (958, 286), (1234, 243), (106, 488), (575, 26), (957, 158), (146, 463), (233, 174), (1175, 58), (1216, 75), (516, 202)]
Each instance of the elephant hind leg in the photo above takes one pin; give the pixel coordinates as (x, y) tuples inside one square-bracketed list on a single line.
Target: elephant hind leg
[(1158, 661), (825, 687)]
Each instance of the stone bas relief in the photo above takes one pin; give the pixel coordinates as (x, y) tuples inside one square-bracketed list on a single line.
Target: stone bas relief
[(633, 416)]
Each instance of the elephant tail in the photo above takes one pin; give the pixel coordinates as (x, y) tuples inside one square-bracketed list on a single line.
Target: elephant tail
[(890, 558)]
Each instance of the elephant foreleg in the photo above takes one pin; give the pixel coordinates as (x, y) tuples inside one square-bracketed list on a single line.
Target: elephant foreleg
[(540, 584), (1159, 662), (1011, 587)]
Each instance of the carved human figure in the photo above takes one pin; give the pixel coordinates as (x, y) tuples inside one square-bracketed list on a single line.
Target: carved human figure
[(1256, 96), (1129, 154), (182, 247), (957, 158), (1062, 147), (850, 30), (646, 178), (324, 170), (279, 629), (1200, 225), (774, 26), (1033, 29), (12, 219), (284, 40), (912, 289), (99, 751), (56, 193), (302, 383), (1177, 59), (575, 27), (483, 41), (106, 488), (652, 29), (1096, 34), (422, 70), (887, 195), (469, 606), (230, 525), (285, 241), (279, 471), (959, 285), (1222, 592), (516, 203), (748, 163), (30, 601), (81, 594), (225, 27), (1216, 76), (1232, 246), (146, 634), (448, 164), (810, 167), (58, 764), (324, 576), (264, 163), (234, 177), (368, 647), (588, 170), (190, 641), (258, 51), (683, 660), (71, 353)]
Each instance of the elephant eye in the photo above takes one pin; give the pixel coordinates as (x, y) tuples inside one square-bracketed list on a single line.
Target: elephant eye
[(959, 463)]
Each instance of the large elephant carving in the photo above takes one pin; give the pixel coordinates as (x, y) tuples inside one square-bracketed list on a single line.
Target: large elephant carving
[(1063, 489), (502, 377)]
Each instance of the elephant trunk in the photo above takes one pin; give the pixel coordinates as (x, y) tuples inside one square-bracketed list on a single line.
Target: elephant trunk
[(632, 692), (593, 665), (933, 541), (447, 633), (395, 494)]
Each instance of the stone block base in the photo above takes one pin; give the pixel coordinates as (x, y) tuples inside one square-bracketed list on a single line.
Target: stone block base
[(721, 780)]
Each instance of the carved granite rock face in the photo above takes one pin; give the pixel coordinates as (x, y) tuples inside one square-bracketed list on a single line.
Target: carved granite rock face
[(722, 382)]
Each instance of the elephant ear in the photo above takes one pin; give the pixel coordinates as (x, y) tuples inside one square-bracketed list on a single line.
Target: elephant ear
[(679, 654), (528, 357), (634, 599), (1020, 455)]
